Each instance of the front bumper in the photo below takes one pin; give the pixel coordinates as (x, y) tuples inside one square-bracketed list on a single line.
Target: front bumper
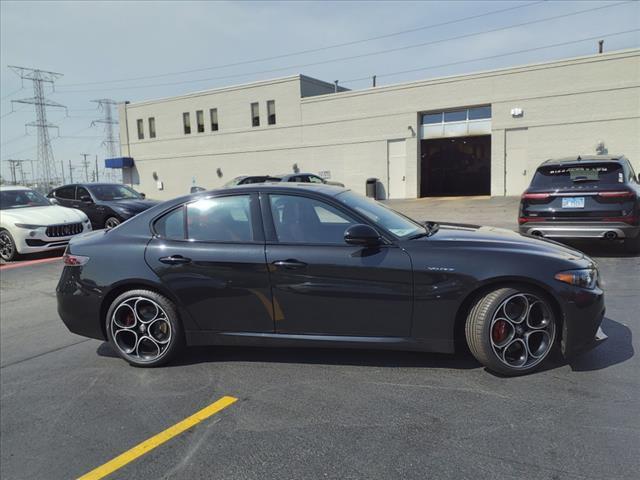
[(36, 240), (583, 313), (551, 229)]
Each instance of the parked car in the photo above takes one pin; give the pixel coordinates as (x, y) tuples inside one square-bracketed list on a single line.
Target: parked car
[(106, 204), (320, 266), (29, 223), (247, 179), (594, 196), (307, 178)]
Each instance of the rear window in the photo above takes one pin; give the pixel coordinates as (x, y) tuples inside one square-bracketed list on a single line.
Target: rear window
[(567, 176)]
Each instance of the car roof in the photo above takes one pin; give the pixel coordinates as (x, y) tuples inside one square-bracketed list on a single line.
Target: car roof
[(330, 190), (7, 188), (583, 159)]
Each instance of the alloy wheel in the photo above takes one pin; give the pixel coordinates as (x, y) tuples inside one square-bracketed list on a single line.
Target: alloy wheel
[(111, 223), (522, 331), (7, 248), (140, 329)]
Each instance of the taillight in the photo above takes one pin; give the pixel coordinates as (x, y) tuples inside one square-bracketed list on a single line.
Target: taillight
[(535, 196), (619, 194), (522, 220), (74, 260)]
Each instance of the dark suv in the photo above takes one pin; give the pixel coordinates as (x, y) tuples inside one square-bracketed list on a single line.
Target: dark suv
[(595, 196)]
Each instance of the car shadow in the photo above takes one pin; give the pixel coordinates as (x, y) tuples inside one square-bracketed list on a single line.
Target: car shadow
[(616, 349), (600, 248), (321, 356)]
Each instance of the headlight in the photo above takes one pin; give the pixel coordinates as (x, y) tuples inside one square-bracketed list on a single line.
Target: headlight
[(28, 226), (585, 278)]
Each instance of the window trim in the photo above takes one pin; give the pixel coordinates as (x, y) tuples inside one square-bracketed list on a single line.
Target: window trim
[(271, 235), (254, 209)]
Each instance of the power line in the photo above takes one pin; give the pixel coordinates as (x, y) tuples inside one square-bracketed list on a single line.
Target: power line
[(313, 50), (490, 57), (11, 94), (364, 55)]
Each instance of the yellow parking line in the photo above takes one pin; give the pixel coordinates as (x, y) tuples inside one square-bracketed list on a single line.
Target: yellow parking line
[(157, 440)]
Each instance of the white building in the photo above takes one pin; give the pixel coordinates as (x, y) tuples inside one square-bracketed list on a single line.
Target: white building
[(481, 133)]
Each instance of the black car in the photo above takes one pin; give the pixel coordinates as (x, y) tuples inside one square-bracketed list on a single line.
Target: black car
[(106, 204), (306, 178), (593, 197), (286, 265)]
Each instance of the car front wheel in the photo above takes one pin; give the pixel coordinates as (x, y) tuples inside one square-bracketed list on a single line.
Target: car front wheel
[(111, 222), (511, 331), (8, 250), (143, 328)]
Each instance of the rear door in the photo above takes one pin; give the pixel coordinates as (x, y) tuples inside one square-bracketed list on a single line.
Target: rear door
[(210, 253), (66, 195)]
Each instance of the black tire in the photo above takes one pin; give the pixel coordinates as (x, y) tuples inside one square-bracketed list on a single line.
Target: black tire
[(145, 331), (8, 250), (111, 222), (632, 245), (488, 317)]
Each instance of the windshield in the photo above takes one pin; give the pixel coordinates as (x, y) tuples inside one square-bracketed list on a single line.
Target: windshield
[(558, 177), (114, 192), (396, 223), (21, 199)]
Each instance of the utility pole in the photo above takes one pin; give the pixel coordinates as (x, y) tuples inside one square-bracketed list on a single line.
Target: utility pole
[(62, 169), (70, 172), (46, 164), (13, 166), (85, 163), (97, 179)]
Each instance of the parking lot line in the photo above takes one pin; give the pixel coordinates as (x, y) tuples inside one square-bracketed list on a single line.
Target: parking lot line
[(9, 266), (157, 440)]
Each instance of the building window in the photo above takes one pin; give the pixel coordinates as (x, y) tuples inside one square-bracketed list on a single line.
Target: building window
[(152, 127), (480, 113), (186, 120), (213, 113), (455, 116), (271, 112), (200, 120), (140, 129), (428, 118), (255, 115)]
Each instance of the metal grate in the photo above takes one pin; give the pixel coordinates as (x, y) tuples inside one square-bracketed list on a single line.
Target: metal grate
[(65, 230)]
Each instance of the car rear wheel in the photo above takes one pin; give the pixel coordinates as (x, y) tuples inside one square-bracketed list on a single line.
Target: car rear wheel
[(143, 328), (111, 222), (511, 331), (8, 250)]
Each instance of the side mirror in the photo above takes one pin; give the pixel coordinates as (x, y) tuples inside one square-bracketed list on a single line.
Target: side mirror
[(363, 235), (196, 189), (86, 199), (53, 201), (143, 195)]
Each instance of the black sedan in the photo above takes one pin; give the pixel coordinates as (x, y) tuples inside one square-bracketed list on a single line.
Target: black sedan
[(106, 204), (287, 265)]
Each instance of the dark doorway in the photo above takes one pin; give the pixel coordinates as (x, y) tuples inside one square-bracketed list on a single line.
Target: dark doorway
[(456, 166)]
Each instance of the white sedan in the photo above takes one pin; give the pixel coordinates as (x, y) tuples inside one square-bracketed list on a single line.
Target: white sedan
[(29, 223)]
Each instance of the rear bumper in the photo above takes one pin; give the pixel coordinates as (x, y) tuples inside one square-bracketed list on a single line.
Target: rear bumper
[(79, 304), (552, 229), (583, 314)]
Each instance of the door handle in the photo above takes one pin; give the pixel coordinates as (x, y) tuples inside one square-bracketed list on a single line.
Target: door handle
[(175, 260), (289, 263)]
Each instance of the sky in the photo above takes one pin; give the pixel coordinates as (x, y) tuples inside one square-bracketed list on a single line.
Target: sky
[(104, 48)]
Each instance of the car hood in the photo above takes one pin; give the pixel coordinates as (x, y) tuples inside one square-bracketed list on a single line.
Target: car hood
[(133, 205), (46, 215), (500, 238)]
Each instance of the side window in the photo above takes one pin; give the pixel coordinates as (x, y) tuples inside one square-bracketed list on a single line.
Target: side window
[(171, 225), (66, 193), (306, 220), (222, 219), (314, 179), (634, 178), (82, 192)]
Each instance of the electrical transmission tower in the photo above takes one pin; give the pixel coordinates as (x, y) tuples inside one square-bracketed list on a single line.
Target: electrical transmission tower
[(46, 165), (110, 141)]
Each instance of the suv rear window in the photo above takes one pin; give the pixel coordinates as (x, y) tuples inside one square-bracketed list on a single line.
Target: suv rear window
[(570, 175)]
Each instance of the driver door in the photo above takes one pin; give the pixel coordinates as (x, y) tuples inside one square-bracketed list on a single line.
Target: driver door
[(320, 284)]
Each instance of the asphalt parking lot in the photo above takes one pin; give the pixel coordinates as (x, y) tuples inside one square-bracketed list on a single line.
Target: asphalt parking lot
[(68, 405)]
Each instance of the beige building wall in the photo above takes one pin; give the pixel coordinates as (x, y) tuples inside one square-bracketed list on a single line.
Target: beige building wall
[(569, 106)]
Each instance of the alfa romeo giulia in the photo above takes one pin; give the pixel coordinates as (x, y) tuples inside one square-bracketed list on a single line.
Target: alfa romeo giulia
[(319, 266)]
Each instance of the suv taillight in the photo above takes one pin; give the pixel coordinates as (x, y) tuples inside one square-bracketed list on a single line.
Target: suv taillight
[(74, 260), (617, 194), (535, 196)]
